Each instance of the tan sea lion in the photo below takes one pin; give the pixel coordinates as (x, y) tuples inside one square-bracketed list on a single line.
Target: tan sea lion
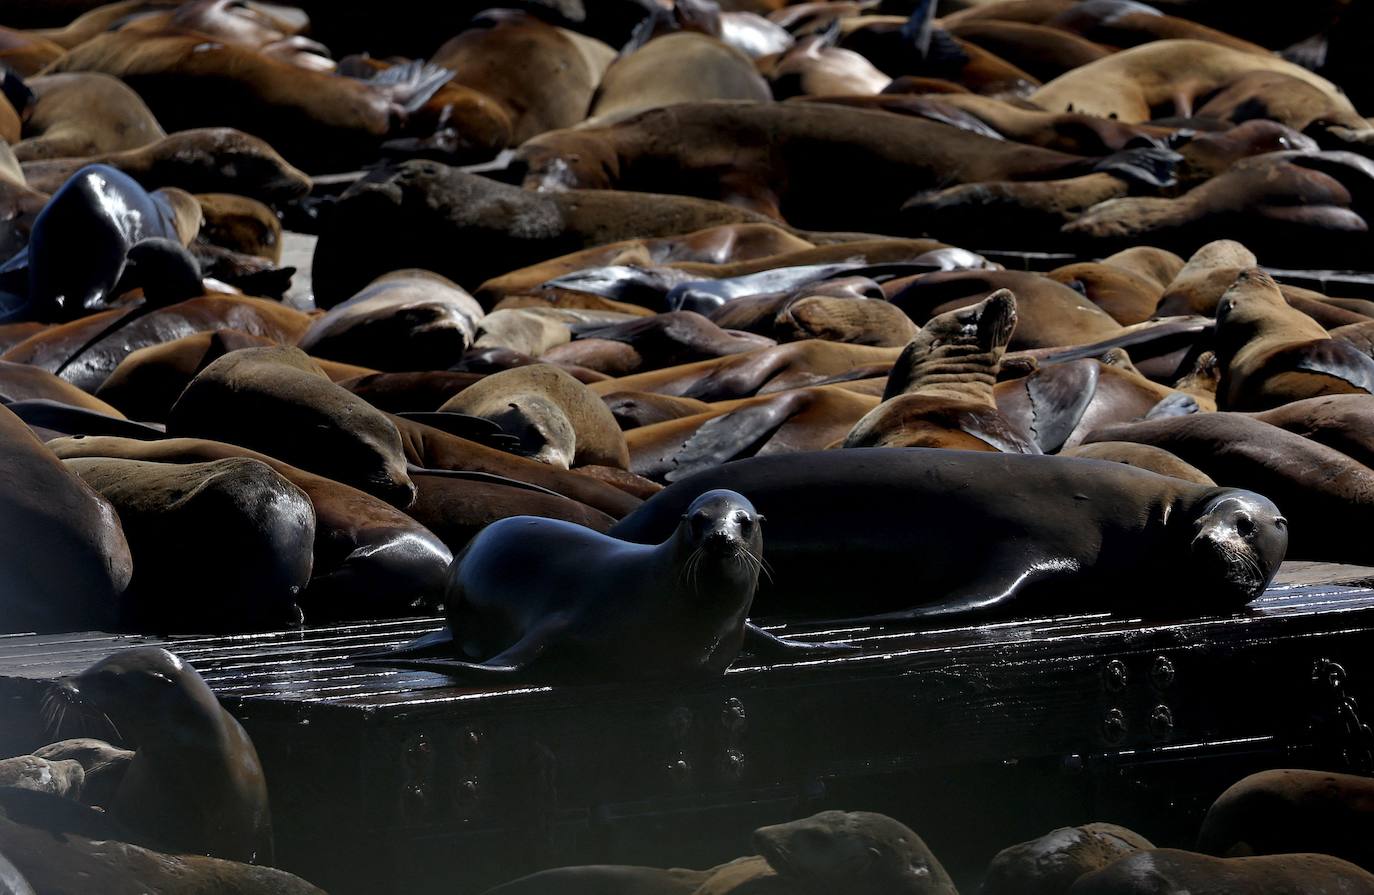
[(1282, 97), (254, 527), (813, 68), (27, 53), (675, 68), (1168, 869), (1141, 456), (277, 400), (84, 114), (241, 224), (406, 392), (557, 419), (1128, 297), (86, 564), (1041, 51), (633, 409), (1270, 353), (1210, 271), (940, 391)]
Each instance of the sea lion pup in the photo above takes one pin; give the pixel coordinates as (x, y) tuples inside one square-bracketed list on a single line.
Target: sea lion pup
[(1048, 314), (676, 610), (86, 564), (370, 559), (886, 158), (201, 160), (940, 391), (103, 766), (61, 778), (1171, 870), (979, 507), (1135, 84), (405, 320), (1141, 456), (1288, 811), (1271, 354), (279, 401), (164, 711), (247, 514), (676, 68), (557, 419), (84, 114), (1050, 865)]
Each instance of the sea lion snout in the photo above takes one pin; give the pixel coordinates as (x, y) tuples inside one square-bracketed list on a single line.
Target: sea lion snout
[(724, 520)]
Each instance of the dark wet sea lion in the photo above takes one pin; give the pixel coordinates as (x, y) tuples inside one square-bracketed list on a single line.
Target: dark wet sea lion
[(370, 559), (1234, 539), (278, 401), (1342, 422), (1050, 865), (85, 114), (1167, 869), (557, 419), (1292, 811), (49, 419), (1049, 314), (940, 391), (254, 530), (886, 157), (511, 611), (675, 68), (1318, 488), (1141, 456), (1270, 354), (86, 561), (165, 712)]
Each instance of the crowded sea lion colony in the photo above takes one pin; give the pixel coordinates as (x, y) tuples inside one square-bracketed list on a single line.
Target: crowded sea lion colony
[(602, 330)]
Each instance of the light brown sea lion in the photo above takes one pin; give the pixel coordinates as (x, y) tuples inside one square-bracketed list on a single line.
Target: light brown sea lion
[(844, 309), (62, 778), (1050, 865), (523, 330), (1282, 97), (634, 409), (675, 337), (1135, 84), (676, 68), (164, 711), (1292, 811), (405, 320), (1270, 353), (201, 160), (1167, 869), (411, 216), (1128, 297), (370, 559), (786, 144), (1048, 314), (1141, 456), (241, 224), (85, 563), (940, 391), (602, 355), (103, 766), (814, 68), (84, 114), (26, 53), (278, 401), (1158, 265), (1041, 51), (557, 419), (1210, 271), (799, 419), (434, 449), (256, 530), (884, 41), (767, 370), (1127, 25), (1323, 309)]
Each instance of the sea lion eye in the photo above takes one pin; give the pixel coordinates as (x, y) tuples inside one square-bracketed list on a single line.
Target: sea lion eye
[(742, 518)]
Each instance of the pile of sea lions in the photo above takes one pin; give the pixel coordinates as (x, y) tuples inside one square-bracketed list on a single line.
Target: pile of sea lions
[(629, 324)]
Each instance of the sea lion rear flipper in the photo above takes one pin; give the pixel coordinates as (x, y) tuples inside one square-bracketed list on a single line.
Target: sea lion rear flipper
[(1149, 165), (762, 645)]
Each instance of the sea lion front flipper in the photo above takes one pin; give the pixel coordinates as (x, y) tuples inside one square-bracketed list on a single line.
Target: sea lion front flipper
[(435, 643), (739, 433), (1336, 358), (768, 647), (1059, 396)]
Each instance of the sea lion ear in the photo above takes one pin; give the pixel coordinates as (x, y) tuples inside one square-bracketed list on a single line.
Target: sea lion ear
[(759, 517)]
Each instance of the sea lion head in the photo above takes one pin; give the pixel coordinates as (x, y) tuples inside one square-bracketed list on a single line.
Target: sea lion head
[(142, 693), (544, 430), (724, 522), (966, 341), (1239, 539), (568, 160), (1247, 309), (860, 852)]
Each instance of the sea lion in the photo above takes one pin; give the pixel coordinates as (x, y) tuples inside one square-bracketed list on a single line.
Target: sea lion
[(241, 224), (512, 612), (201, 160), (889, 41), (1051, 864), (25, 53), (940, 391), (524, 331), (109, 215), (256, 530), (406, 320), (766, 149), (1231, 538), (407, 392), (86, 564), (279, 401), (674, 337), (413, 215), (1040, 51), (557, 419), (1291, 811), (62, 778), (103, 766), (1141, 456), (1341, 422), (165, 712), (22, 382), (1209, 272), (50, 419), (1281, 97), (1167, 869), (84, 114), (1127, 296), (815, 68), (1319, 489), (1271, 354), (370, 559), (676, 68), (1125, 23), (1135, 84), (633, 409), (1048, 314)]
